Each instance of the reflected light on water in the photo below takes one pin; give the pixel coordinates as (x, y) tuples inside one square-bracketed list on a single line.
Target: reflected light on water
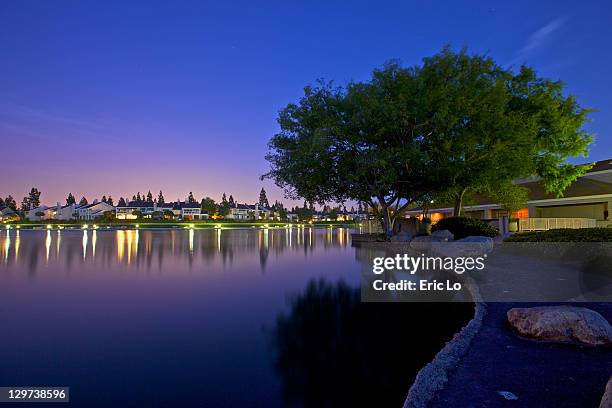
[(48, 245), (120, 236), (219, 240), (85, 239), (58, 243), (191, 233), (94, 238), (17, 243), (6, 245)]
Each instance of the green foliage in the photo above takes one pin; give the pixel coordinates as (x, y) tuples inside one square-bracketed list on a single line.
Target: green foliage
[(462, 227), (107, 216), (456, 124), (564, 235), (70, 199), (511, 196), (137, 214), (209, 205)]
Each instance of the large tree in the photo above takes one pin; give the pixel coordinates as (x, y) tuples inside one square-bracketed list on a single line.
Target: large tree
[(149, 197), (455, 124), (209, 205), (486, 126), (361, 143), (160, 198)]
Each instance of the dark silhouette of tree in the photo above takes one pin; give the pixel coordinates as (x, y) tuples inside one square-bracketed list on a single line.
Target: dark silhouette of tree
[(10, 202), (83, 201), (70, 199), (34, 198), (121, 202), (103, 198), (149, 197), (160, 198), (231, 201), (138, 198), (109, 200), (263, 199), (191, 199)]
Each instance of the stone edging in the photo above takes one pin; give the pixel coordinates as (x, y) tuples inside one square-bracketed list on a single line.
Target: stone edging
[(433, 377)]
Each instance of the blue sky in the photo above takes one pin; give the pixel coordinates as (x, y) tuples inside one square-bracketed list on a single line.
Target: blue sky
[(118, 97)]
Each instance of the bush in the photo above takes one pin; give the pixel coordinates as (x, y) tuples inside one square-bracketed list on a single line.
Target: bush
[(462, 227), (564, 235)]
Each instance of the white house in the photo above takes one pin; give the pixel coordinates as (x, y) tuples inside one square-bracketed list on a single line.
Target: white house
[(90, 212), (250, 212), (180, 209)]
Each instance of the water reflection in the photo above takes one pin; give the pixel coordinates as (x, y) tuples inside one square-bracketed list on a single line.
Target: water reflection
[(333, 350), (144, 249)]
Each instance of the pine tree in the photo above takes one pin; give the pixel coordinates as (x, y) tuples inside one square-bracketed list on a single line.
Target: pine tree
[(34, 198), (224, 199), (1, 203), (10, 202), (160, 198), (149, 197), (109, 201), (138, 198), (83, 201), (191, 199), (121, 202), (133, 198), (231, 201), (25, 204), (263, 199), (70, 199), (103, 198)]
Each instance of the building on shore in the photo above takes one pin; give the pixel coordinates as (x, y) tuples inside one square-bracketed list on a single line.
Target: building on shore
[(588, 198), (8, 214), (147, 209), (251, 212)]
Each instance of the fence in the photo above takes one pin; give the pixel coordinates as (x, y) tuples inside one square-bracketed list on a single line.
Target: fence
[(543, 224)]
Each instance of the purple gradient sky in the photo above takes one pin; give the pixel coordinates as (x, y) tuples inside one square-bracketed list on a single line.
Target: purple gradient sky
[(117, 97)]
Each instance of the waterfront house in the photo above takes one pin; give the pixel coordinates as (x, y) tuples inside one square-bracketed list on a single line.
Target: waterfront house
[(250, 212), (7, 214), (90, 212), (148, 209), (586, 202)]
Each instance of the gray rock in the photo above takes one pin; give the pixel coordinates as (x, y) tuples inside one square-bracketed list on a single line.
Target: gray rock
[(606, 400), (483, 244), (561, 324), (401, 237), (444, 235)]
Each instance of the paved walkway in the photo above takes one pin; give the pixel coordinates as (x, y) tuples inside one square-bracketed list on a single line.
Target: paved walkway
[(539, 374)]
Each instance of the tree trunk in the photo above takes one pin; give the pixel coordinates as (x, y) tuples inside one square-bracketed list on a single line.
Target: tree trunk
[(458, 207), (387, 221)]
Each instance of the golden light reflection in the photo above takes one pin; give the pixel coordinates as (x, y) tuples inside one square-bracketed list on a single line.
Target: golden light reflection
[(120, 235), (6, 246), (219, 239), (341, 236), (191, 240), (94, 238), (48, 245), (85, 239), (58, 239), (17, 243)]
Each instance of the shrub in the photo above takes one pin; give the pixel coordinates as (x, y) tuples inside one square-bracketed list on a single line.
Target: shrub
[(462, 227), (564, 235)]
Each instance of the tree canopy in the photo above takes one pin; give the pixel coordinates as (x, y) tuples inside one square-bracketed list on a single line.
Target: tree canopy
[(456, 123)]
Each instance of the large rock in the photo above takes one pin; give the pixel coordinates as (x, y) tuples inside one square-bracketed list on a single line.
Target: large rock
[(423, 242), (606, 400), (444, 235), (480, 243), (562, 324)]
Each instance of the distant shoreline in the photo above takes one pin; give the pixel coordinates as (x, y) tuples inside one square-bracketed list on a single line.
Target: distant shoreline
[(157, 225)]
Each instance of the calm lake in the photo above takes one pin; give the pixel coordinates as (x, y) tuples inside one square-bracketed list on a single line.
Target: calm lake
[(207, 318)]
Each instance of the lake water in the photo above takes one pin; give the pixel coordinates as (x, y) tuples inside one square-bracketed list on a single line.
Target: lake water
[(207, 318)]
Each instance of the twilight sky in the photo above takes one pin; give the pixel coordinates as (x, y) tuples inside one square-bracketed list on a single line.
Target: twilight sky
[(115, 97)]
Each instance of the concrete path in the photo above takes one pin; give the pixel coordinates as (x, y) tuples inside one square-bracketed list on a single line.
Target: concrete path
[(539, 374)]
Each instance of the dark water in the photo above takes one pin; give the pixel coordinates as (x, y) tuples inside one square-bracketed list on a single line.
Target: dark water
[(207, 318)]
